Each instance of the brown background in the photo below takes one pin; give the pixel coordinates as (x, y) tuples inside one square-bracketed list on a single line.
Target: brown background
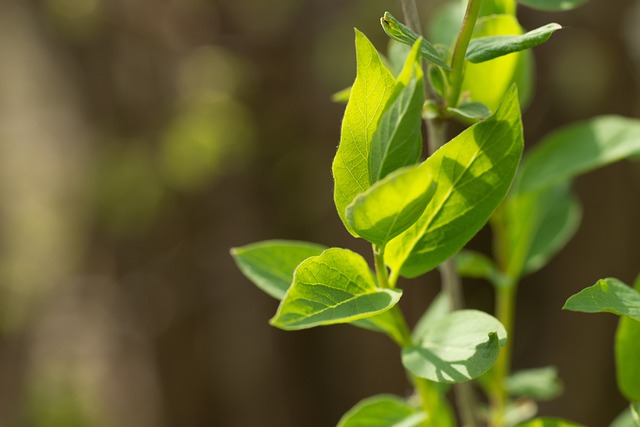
[(141, 139)]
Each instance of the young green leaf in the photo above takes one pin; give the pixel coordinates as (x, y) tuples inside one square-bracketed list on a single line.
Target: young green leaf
[(635, 412), (577, 149), (439, 308), (538, 384), (483, 49), (549, 422), (473, 173), (627, 349), (335, 287), (470, 111), (270, 264), (383, 410), (607, 296), (370, 93), (457, 348), (392, 205), (552, 5), (397, 141), (478, 266), (625, 419), (397, 31), (487, 82)]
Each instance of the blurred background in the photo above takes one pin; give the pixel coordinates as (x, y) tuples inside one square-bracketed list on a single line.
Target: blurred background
[(141, 139)]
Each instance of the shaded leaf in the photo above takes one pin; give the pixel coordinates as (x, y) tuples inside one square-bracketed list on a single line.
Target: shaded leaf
[(538, 384), (400, 32), (473, 173), (439, 308), (382, 411), (478, 266), (607, 296), (270, 264), (392, 205), (627, 346), (470, 111), (334, 287), (397, 141), (483, 49), (578, 148), (370, 93), (625, 419), (457, 348), (552, 5)]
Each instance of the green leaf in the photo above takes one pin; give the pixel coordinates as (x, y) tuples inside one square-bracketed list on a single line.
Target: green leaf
[(457, 348), (607, 296), (478, 266), (549, 422), (341, 97), (577, 149), (397, 31), (270, 264), (392, 205), (534, 226), (552, 5), (439, 308), (382, 411), (470, 111), (370, 93), (397, 141), (334, 287), (445, 23), (625, 419), (473, 173), (487, 82), (635, 412), (627, 344), (538, 384), (497, 7), (483, 49), (559, 223)]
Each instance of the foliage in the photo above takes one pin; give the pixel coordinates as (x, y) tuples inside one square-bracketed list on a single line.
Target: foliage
[(418, 214)]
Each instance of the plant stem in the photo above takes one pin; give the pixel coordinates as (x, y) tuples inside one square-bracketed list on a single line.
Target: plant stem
[(460, 50), (505, 312), (381, 269)]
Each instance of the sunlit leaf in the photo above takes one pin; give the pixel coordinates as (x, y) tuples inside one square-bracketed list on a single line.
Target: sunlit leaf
[(382, 411), (334, 287), (397, 31), (473, 173), (397, 141), (470, 111), (439, 308), (538, 384), (607, 296), (549, 422), (370, 93), (483, 49), (392, 205), (487, 82), (552, 5), (457, 348), (270, 264), (625, 419)]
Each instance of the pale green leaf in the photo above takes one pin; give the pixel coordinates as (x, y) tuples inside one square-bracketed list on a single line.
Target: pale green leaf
[(397, 31), (342, 96), (635, 412), (445, 23), (270, 264), (397, 141), (538, 384), (473, 173), (607, 296), (457, 348), (470, 111), (483, 49), (370, 93), (549, 422), (577, 149), (439, 308), (392, 205), (384, 323), (487, 82), (497, 7), (625, 419), (627, 345), (552, 5), (478, 266), (334, 287), (382, 411)]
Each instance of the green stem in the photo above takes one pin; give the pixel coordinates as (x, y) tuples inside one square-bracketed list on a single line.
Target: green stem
[(381, 269), (505, 312), (460, 50)]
